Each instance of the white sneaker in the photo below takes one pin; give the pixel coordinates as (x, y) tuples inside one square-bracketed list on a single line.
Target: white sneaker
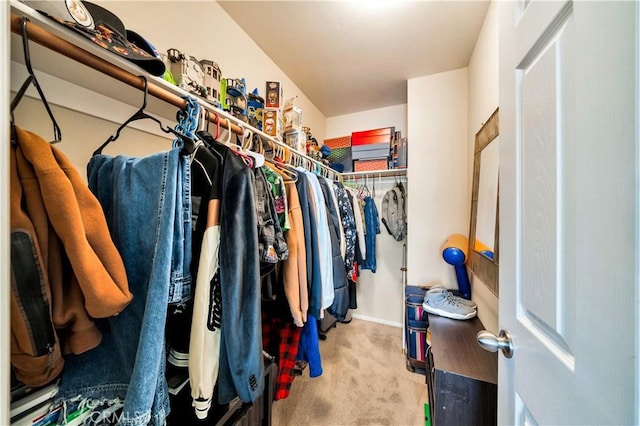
[(445, 306), (437, 289)]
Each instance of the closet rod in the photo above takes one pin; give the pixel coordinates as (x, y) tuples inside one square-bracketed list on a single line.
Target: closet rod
[(376, 173), (71, 51), (65, 48)]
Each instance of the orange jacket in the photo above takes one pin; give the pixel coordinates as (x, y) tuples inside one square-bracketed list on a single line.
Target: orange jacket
[(65, 269)]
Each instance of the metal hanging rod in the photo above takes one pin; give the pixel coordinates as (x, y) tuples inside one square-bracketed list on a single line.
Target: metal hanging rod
[(375, 173), (59, 45)]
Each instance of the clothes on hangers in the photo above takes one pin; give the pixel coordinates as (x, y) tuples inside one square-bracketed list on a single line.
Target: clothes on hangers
[(373, 228), (345, 204), (276, 183), (129, 364), (324, 240), (314, 280), (271, 245), (241, 364), (66, 270), (340, 304), (205, 331)]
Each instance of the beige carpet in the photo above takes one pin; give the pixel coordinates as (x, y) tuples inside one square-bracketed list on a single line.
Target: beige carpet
[(364, 382)]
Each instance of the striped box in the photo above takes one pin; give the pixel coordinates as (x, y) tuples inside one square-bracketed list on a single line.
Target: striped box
[(370, 165), (341, 142), (417, 340), (415, 311)]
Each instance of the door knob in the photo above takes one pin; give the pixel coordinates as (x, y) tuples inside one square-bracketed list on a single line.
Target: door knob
[(491, 343)]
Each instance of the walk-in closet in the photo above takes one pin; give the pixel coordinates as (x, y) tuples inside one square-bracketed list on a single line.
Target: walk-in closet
[(194, 268), (254, 213)]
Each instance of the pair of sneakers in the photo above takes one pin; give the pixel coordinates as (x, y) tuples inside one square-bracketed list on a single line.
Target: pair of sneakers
[(440, 301)]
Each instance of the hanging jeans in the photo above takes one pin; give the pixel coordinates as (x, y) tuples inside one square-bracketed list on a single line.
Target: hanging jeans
[(148, 209)]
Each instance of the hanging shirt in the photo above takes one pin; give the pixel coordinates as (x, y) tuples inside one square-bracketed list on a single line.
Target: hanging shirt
[(373, 228), (278, 191), (314, 280), (324, 240), (348, 224), (360, 229), (204, 342)]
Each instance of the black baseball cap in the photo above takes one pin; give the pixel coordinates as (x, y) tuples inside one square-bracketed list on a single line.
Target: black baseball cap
[(103, 28)]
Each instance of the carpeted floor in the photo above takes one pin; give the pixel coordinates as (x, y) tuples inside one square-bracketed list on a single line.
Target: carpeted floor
[(364, 382)]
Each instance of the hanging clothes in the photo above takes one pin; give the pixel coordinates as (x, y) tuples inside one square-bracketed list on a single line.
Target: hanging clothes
[(373, 229), (348, 224), (278, 190), (294, 268), (358, 214), (309, 349), (205, 334), (314, 281), (280, 338), (340, 303), (129, 364), (324, 240), (271, 245), (65, 268), (241, 363)]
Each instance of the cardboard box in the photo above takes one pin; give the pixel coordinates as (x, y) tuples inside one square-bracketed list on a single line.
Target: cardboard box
[(366, 152), (341, 142), (370, 165), (341, 156), (367, 137), (274, 95)]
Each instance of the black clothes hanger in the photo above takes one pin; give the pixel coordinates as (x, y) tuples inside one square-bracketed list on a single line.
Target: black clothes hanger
[(214, 146), (31, 79), (189, 144)]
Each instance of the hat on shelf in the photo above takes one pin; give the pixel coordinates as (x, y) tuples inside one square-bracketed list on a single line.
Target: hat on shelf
[(104, 29)]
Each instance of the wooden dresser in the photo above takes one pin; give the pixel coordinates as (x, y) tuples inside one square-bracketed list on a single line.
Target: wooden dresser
[(462, 377)]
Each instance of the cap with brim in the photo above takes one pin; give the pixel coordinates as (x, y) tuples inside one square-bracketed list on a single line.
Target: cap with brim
[(104, 29)]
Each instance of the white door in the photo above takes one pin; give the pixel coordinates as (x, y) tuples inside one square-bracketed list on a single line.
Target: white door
[(569, 212)]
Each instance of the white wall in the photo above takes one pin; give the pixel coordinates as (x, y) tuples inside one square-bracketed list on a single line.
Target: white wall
[(344, 125), (437, 119), (204, 30), (379, 294), (483, 100)]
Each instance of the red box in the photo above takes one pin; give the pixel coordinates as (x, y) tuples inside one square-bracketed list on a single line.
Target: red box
[(341, 142), (370, 165), (383, 135)]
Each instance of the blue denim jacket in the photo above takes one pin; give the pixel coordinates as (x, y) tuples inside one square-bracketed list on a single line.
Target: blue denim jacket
[(148, 209)]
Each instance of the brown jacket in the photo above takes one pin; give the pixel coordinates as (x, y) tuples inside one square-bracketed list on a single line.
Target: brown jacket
[(65, 269)]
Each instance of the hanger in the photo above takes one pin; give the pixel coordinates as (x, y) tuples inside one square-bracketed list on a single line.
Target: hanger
[(140, 115), (204, 121), (206, 137), (245, 148), (236, 149), (31, 79)]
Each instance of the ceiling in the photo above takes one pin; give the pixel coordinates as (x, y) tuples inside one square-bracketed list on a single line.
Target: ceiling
[(350, 56)]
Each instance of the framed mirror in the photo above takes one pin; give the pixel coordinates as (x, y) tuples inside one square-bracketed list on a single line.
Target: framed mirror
[(483, 252)]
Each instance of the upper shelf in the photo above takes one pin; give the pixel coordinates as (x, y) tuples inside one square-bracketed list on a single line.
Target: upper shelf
[(65, 55)]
